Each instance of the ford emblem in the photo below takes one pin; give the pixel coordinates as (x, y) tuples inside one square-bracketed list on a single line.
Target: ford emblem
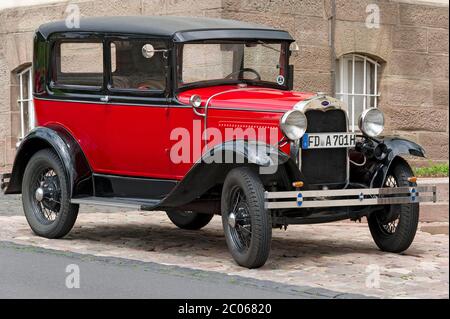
[(325, 103)]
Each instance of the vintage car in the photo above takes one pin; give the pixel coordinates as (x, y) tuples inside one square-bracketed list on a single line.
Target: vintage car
[(196, 117)]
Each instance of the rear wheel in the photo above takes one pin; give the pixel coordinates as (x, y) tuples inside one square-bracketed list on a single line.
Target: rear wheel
[(189, 220), (394, 228), (46, 197), (246, 223)]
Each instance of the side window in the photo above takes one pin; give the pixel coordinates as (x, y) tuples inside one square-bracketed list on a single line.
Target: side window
[(138, 65), (79, 64)]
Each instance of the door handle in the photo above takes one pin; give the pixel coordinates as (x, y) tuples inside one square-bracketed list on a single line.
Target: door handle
[(104, 99)]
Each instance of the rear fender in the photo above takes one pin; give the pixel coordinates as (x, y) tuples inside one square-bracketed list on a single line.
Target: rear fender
[(78, 171)]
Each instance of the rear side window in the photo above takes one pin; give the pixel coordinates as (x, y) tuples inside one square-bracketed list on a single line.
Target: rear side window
[(78, 64)]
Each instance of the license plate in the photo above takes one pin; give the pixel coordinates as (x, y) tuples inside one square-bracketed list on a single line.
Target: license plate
[(328, 140)]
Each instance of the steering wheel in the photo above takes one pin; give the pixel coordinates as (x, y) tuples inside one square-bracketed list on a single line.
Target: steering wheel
[(241, 71)]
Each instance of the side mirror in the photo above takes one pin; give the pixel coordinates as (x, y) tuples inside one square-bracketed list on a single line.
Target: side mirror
[(148, 51)]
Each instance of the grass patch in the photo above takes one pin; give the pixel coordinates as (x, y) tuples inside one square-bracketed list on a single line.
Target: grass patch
[(434, 170)]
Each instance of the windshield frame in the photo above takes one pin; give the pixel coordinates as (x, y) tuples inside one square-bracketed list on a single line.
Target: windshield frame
[(178, 66)]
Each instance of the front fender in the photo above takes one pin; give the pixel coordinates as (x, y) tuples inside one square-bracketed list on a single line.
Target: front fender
[(69, 152), (242, 151), (215, 164), (401, 147), (397, 148)]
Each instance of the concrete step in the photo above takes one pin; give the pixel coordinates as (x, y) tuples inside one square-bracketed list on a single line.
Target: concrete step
[(434, 228), (442, 186), (436, 212)]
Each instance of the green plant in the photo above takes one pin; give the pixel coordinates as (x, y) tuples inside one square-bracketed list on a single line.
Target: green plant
[(433, 170)]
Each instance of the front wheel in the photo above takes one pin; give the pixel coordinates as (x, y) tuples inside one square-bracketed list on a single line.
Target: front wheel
[(46, 196), (393, 229), (246, 223)]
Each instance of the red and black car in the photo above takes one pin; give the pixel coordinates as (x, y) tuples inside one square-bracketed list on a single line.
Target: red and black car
[(197, 117)]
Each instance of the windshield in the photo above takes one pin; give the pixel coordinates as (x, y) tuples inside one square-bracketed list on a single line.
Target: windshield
[(257, 63)]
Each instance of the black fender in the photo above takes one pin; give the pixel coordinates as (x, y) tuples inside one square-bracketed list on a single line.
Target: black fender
[(397, 148), (78, 170), (209, 171)]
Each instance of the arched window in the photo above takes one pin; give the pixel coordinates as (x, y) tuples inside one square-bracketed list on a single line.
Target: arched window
[(25, 101), (357, 84)]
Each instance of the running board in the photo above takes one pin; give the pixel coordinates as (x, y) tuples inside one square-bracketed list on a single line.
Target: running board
[(135, 204)]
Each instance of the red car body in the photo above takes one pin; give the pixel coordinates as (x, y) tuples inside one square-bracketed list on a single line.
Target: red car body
[(123, 152)]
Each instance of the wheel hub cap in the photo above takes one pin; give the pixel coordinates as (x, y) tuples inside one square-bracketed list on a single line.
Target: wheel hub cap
[(39, 194), (232, 220)]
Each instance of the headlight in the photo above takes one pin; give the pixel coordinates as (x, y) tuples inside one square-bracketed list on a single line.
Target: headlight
[(294, 124), (371, 122)]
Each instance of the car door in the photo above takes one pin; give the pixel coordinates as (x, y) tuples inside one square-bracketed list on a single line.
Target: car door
[(112, 100), (135, 140)]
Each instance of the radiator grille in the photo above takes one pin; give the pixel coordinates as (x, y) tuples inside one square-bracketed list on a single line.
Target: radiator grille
[(325, 166)]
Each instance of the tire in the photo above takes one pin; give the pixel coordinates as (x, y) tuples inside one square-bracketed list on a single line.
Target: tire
[(393, 229), (246, 223), (189, 220), (53, 216)]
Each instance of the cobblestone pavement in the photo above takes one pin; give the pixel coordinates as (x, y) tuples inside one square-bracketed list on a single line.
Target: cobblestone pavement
[(339, 257)]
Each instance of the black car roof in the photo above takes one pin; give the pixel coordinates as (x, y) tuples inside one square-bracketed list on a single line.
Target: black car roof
[(178, 28)]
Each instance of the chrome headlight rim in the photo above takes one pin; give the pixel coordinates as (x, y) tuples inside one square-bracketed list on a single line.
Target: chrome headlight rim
[(290, 126), (377, 127)]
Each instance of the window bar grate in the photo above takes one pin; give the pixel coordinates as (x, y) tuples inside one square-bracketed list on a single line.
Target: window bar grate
[(347, 94), (26, 99), (353, 93)]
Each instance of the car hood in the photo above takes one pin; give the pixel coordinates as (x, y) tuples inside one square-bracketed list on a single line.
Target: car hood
[(252, 98)]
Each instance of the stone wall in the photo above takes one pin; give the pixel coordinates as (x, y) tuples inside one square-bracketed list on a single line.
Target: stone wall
[(411, 44), (415, 79)]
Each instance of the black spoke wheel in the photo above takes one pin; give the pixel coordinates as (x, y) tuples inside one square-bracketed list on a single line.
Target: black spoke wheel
[(47, 199), (188, 219), (394, 227), (45, 196), (239, 221), (389, 220), (247, 224)]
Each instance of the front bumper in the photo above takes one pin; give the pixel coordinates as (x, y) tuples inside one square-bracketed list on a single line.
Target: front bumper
[(350, 197)]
